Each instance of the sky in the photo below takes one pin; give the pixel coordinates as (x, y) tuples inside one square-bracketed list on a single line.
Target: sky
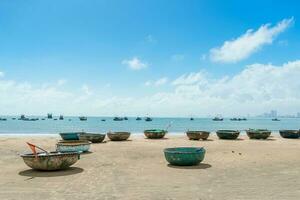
[(158, 58)]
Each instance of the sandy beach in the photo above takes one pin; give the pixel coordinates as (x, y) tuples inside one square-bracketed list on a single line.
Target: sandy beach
[(137, 169)]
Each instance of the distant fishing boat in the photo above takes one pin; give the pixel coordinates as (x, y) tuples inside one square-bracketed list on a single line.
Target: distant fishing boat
[(275, 119), (191, 118), (61, 117), (217, 119), (13, 118), (3, 119), (238, 119), (138, 118), (103, 120), (49, 116), (82, 118), (118, 119), (125, 118), (148, 119), (22, 117)]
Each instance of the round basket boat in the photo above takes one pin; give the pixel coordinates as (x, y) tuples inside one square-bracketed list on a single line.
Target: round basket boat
[(73, 145), (197, 135), (51, 161), (118, 136), (228, 134), (184, 156), (70, 135), (92, 137), (258, 133), (292, 134), (155, 133)]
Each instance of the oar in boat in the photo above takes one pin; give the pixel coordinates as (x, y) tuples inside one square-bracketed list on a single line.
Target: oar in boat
[(33, 149), (169, 125)]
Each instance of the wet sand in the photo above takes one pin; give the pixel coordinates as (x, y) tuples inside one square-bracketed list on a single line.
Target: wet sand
[(136, 169)]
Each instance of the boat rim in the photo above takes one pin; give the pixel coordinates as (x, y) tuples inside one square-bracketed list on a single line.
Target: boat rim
[(176, 150), (155, 131), (197, 131), (228, 131), (73, 142), (118, 132), (50, 154)]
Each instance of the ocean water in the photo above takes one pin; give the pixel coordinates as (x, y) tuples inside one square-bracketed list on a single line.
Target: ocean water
[(178, 125)]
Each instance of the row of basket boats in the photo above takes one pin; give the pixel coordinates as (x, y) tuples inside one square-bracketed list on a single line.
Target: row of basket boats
[(72, 145)]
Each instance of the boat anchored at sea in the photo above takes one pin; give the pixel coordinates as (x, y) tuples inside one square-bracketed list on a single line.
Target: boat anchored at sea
[(217, 119), (148, 119), (82, 118)]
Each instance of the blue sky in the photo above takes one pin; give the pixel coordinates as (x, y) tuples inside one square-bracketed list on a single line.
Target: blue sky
[(119, 57)]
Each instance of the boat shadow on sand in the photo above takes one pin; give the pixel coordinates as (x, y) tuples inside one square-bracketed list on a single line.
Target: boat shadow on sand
[(200, 166), (35, 173)]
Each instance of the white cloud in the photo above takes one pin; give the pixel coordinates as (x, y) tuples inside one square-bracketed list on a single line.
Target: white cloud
[(61, 82), (86, 89), (1, 74), (242, 47), (148, 83), (159, 82), (190, 78), (177, 57), (135, 63), (256, 89)]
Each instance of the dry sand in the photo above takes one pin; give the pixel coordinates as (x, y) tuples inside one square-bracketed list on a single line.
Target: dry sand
[(136, 169)]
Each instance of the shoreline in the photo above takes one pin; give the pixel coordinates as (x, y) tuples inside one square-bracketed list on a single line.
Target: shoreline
[(177, 134)]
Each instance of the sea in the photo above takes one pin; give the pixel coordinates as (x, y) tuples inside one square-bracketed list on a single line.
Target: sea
[(106, 124)]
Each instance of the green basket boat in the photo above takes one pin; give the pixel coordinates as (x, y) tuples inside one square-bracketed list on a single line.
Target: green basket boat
[(258, 133), (184, 156), (70, 135), (118, 136), (92, 137), (228, 134), (50, 161), (291, 134), (197, 135), (155, 133)]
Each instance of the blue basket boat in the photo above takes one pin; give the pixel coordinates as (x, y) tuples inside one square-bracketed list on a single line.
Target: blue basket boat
[(73, 146), (184, 156), (70, 135)]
